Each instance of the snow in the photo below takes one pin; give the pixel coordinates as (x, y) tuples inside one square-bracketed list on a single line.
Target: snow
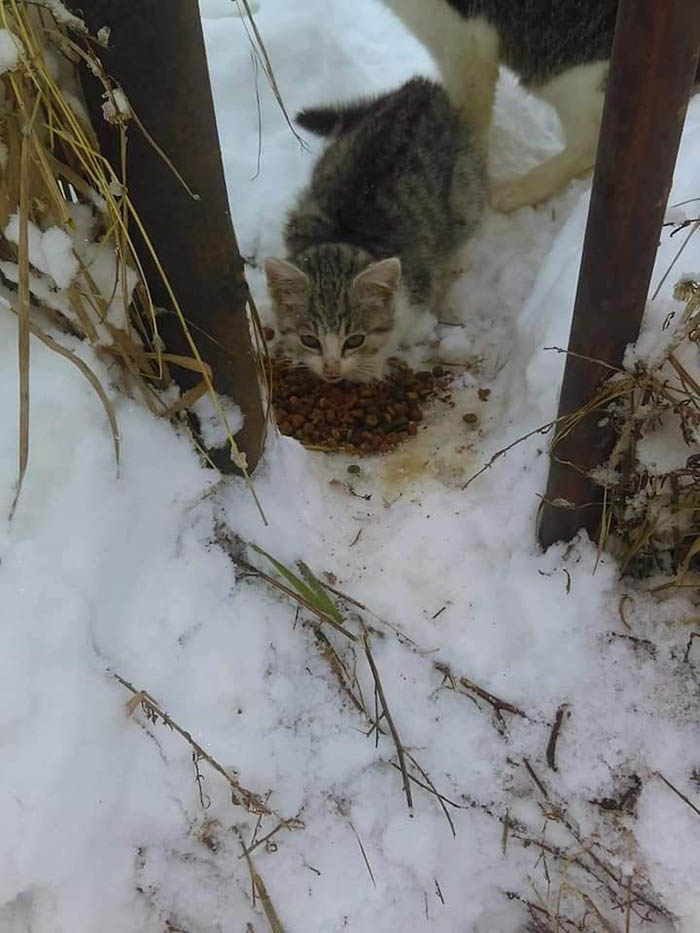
[(214, 433), (11, 50), (104, 573), (56, 255), (116, 108), (50, 251), (63, 16), (61, 262)]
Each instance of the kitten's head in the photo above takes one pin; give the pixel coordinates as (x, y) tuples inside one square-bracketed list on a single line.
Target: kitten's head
[(336, 310)]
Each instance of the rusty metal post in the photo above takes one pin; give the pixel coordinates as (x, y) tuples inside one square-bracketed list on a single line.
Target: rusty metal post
[(156, 53), (654, 55)]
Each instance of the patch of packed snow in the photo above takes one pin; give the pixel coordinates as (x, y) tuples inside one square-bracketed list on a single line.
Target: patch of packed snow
[(105, 825), (56, 255), (61, 263), (213, 430), (50, 251), (11, 50)]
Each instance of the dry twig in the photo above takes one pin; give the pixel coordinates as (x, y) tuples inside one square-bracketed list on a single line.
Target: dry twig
[(241, 796)]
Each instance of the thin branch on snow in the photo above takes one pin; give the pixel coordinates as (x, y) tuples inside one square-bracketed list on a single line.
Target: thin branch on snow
[(251, 801), (678, 793)]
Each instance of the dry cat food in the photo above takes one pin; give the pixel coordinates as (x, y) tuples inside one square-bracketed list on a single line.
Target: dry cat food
[(352, 416)]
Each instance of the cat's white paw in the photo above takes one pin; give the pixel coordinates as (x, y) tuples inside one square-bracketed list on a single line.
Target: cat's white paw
[(508, 196)]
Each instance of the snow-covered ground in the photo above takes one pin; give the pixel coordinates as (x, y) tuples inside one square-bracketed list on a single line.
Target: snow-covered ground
[(104, 825)]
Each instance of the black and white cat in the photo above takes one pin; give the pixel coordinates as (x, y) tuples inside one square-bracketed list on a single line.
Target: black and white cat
[(560, 49)]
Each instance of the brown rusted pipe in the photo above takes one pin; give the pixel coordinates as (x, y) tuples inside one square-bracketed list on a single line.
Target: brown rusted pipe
[(156, 53), (654, 55)]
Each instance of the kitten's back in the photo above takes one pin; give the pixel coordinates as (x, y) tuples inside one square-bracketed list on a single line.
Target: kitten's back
[(387, 182)]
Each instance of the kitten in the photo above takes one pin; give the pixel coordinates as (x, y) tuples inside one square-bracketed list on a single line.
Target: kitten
[(399, 188), (560, 49)]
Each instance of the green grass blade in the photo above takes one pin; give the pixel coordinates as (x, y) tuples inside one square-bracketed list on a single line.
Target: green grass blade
[(322, 597)]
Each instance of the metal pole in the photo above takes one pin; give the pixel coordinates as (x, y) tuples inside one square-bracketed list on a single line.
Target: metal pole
[(654, 55), (156, 53)]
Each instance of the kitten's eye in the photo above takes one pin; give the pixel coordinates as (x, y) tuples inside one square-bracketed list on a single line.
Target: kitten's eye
[(354, 341), (310, 342)]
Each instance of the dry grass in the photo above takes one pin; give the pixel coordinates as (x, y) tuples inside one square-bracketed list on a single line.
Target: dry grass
[(309, 593), (55, 177), (576, 881), (240, 796), (651, 517)]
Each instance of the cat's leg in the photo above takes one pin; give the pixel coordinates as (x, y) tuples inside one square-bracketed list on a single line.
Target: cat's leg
[(447, 272), (466, 53), (577, 95), (446, 277)]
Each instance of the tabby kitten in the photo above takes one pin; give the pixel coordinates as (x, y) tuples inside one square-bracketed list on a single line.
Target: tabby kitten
[(397, 191), (560, 49)]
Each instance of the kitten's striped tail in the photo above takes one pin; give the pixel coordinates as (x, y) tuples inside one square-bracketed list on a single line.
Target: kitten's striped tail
[(334, 119)]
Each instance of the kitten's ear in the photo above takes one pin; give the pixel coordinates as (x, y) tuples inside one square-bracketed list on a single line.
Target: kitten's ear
[(288, 285), (378, 281)]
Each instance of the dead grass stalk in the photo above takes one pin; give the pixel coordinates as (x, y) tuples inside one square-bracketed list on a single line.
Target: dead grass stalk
[(67, 256)]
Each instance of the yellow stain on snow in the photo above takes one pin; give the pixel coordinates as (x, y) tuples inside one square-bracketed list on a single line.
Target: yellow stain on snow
[(445, 448)]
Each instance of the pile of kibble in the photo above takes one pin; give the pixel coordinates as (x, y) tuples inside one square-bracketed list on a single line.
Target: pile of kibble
[(351, 416)]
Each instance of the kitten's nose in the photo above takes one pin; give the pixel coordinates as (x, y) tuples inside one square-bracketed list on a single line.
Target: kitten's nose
[(331, 370)]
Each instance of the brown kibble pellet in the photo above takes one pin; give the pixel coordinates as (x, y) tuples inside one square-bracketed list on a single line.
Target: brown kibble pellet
[(269, 333), (484, 394), (353, 468), (353, 417), (470, 418)]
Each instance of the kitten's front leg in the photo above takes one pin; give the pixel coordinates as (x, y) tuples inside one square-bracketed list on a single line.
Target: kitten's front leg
[(445, 278)]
